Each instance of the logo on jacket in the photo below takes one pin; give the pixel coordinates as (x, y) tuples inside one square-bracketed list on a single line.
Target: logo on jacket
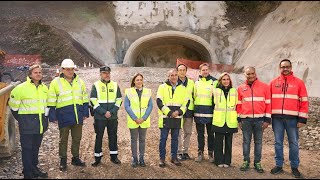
[(111, 90), (244, 89), (277, 85), (103, 89)]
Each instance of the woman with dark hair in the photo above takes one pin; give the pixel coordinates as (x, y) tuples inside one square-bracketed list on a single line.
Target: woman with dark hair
[(138, 105), (224, 119)]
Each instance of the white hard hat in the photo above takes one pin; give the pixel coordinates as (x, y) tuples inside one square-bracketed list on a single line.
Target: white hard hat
[(67, 63)]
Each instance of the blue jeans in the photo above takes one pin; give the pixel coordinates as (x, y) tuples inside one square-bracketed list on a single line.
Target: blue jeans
[(290, 125), (164, 132), (252, 126)]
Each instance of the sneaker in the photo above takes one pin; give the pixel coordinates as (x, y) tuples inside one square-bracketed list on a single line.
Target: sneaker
[(258, 167), (162, 163), (142, 163), (180, 157), (176, 162), (225, 165), (220, 165), (134, 164), (276, 170), (295, 172), (245, 166), (186, 156)]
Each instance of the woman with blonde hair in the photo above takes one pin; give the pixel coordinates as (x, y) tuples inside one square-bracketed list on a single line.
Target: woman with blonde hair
[(138, 104), (224, 119)]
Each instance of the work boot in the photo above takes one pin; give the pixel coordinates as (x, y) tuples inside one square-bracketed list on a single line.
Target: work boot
[(276, 170), (210, 154), (37, 172), (200, 156), (295, 172), (77, 162), (96, 162), (114, 159), (63, 164)]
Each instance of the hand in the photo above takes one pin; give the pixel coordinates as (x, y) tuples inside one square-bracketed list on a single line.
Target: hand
[(299, 125), (240, 125), (84, 117), (139, 121), (108, 114), (264, 125), (175, 114), (54, 122)]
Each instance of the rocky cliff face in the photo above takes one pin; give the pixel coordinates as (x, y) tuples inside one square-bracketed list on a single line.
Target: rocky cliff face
[(291, 31)]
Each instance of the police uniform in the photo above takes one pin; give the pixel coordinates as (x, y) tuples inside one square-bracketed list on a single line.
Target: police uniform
[(106, 96)]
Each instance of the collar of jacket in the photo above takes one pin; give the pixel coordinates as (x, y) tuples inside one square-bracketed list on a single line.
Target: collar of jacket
[(207, 78), (185, 83), (290, 76), (74, 76), (104, 81), (169, 83), (247, 83), (29, 80)]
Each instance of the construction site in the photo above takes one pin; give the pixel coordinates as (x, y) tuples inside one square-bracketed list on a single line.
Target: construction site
[(151, 37)]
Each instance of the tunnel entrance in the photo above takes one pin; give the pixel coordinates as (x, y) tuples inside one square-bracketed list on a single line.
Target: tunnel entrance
[(162, 49)]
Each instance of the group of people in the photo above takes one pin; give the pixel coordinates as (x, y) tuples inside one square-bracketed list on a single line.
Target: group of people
[(215, 105)]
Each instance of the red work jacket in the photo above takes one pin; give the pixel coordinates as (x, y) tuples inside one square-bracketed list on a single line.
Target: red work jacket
[(254, 101), (289, 96)]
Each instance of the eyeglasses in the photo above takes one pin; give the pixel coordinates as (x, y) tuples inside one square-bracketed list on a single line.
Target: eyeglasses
[(285, 67)]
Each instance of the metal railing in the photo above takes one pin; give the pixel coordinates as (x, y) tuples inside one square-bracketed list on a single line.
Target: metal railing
[(9, 87)]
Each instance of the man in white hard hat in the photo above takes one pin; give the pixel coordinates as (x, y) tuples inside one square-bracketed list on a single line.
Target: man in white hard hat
[(68, 102)]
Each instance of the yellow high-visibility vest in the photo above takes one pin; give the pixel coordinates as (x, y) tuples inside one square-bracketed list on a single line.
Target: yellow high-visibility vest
[(106, 94), (225, 109), (203, 91), (138, 106)]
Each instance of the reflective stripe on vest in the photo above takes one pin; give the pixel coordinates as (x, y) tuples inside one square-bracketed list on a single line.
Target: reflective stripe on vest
[(225, 109), (138, 106), (179, 98)]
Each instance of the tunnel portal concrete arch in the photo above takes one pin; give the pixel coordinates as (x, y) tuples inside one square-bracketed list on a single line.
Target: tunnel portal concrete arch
[(170, 37)]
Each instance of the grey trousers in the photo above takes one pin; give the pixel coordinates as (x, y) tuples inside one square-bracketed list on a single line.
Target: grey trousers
[(184, 136), (135, 134)]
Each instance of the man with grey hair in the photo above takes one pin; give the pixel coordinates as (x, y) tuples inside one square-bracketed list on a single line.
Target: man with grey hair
[(172, 103), (254, 115)]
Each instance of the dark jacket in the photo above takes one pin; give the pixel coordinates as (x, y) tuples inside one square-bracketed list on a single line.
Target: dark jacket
[(101, 110)]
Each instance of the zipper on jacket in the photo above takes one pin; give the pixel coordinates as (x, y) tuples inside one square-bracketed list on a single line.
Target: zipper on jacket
[(107, 96), (284, 92), (252, 100), (140, 101)]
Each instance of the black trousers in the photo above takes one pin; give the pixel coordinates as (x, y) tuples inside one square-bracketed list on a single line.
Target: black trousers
[(112, 130), (200, 130), (220, 156), (30, 144)]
